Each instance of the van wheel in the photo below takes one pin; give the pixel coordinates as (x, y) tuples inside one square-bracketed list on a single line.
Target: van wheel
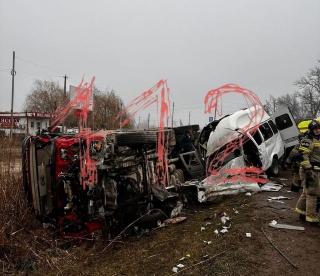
[(275, 167)]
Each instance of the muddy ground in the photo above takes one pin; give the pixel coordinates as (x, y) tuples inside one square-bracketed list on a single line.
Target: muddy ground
[(191, 244), (299, 249), (269, 251), (194, 244)]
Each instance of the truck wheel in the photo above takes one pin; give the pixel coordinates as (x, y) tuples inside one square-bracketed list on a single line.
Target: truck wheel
[(136, 138)]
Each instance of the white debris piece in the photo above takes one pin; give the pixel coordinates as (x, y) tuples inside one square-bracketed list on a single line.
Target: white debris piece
[(180, 265), (216, 232), (278, 197), (224, 230), (202, 228), (248, 235), (224, 219), (175, 269), (273, 222)]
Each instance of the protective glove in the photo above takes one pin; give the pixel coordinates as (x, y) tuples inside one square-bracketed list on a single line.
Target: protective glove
[(309, 177), (294, 188)]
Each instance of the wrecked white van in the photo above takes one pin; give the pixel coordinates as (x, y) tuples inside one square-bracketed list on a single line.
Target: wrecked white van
[(240, 146), (254, 135)]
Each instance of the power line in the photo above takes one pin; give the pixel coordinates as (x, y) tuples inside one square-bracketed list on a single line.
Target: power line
[(39, 65), (37, 74), (70, 78)]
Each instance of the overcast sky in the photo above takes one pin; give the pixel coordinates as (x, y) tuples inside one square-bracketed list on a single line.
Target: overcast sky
[(129, 45)]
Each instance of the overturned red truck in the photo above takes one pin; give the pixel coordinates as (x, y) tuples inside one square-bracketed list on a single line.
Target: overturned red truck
[(94, 184)]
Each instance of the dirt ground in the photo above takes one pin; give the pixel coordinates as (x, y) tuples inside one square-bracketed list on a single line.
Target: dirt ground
[(299, 249), (194, 244), (191, 247)]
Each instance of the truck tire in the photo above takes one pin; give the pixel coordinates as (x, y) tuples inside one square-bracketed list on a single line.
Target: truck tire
[(143, 137), (136, 138)]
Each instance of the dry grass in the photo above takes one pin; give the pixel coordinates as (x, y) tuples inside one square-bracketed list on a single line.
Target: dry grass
[(26, 248)]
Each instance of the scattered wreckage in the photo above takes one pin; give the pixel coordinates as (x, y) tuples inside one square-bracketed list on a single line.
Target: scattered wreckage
[(93, 184)]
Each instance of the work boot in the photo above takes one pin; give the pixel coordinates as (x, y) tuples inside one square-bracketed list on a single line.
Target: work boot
[(302, 217), (294, 188)]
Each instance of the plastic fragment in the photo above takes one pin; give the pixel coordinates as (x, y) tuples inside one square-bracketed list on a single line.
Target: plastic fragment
[(248, 194), (224, 219), (216, 232), (273, 222), (175, 269), (248, 235), (224, 230), (180, 265), (203, 228)]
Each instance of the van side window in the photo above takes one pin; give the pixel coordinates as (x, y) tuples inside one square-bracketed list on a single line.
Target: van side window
[(273, 127), (283, 122), (266, 131), (256, 136)]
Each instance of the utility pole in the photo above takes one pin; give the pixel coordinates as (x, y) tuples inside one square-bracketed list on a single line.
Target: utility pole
[(189, 118), (172, 114), (13, 73), (148, 120), (120, 115), (65, 96)]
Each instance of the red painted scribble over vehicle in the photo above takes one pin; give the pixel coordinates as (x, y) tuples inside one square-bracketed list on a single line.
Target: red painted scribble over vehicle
[(81, 100), (211, 102), (146, 99)]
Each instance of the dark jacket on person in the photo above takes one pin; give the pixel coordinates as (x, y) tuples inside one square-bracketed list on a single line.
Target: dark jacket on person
[(185, 143)]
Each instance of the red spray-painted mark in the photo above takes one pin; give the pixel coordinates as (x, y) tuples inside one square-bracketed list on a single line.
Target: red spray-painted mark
[(233, 140), (81, 99), (141, 103)]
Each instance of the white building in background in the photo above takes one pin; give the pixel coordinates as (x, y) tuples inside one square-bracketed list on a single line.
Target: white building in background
[(24, 122)]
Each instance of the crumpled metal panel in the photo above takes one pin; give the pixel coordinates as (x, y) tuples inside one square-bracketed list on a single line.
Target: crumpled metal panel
[(214, 186)]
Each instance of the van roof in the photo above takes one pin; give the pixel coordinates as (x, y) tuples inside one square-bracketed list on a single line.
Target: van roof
[(227, 128)]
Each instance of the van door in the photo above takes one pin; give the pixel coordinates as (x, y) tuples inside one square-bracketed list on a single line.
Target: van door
[(287, 126), (258, 140)]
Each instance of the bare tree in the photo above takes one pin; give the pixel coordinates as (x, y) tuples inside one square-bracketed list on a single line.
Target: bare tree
[(271, 104), (291, 101), (107, 106), (309, 91), (45, 96)]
